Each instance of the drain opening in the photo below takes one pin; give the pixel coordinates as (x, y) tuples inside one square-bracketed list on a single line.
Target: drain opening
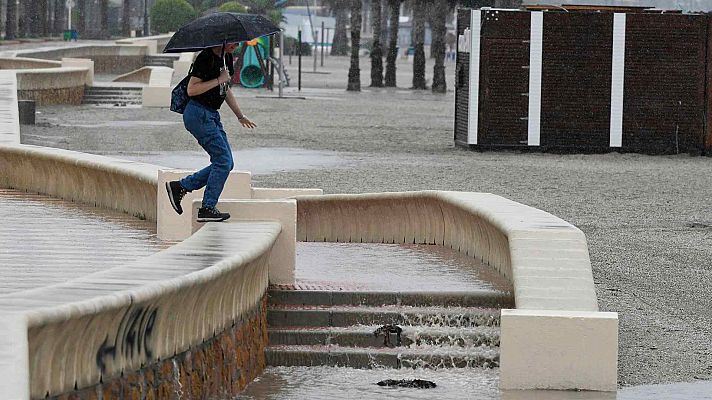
[(408, 383)]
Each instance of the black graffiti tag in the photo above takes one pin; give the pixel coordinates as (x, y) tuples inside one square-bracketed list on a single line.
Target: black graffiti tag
[(132, 339)]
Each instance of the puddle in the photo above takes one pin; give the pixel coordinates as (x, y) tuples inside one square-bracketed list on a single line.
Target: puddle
[(331, 383), (367, 266), (277, 383), (259, 161), (122, 124)]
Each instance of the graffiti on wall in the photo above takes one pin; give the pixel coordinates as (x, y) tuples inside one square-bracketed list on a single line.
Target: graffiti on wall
[(132, 340)]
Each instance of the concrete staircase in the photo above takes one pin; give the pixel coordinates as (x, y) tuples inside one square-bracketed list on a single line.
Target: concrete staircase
[(113, 95), (160, 60), (360, 329)]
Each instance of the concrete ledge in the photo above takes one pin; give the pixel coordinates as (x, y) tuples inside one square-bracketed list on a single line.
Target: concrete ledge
[(81, 63), (96, 327), (284, 257), (10, 121), (283, 193), (63, 85), (542, 349), (14, 359), (171, 226), (112, 59), (27, 63), (82, 177)]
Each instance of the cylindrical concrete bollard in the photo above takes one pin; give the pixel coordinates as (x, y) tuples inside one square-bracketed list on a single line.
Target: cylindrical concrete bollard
[(26, 110)]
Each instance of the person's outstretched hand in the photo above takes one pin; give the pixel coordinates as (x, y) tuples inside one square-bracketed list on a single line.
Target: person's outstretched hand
[(246, 123)]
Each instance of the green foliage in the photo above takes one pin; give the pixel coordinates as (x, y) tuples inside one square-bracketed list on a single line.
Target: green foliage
[(169, 15), (266, 8), (232, 6)]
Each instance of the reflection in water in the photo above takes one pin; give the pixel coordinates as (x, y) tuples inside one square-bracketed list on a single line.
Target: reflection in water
[(367, 266)]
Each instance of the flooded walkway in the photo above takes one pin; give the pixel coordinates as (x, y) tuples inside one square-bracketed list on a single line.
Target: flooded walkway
[(44, 241), (392, 267)]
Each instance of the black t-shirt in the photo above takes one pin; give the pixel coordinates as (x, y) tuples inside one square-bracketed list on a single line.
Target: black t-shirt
[(207, 67)]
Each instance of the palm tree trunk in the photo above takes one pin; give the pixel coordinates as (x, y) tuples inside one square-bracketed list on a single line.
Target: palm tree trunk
[(59, 21), (354, 71), (126, 18), (81, 23), (340, 45), (438, 46), (41, 18), (11, 20), (394, 6), (104, 19), (377, 50), (419, 44)]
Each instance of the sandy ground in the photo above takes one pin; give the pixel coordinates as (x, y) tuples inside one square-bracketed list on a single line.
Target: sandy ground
[(648, 219)]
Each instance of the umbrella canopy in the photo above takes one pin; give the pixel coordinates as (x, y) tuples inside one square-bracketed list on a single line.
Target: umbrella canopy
[(218, 28)]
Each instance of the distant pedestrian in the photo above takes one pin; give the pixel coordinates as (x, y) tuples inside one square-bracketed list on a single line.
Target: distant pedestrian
[(208, 88)]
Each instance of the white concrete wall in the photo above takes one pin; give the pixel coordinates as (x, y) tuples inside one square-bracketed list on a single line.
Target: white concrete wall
[(9, 114), (81, 63), (283, 260), (545, 257), (170, 225), (544, 349)]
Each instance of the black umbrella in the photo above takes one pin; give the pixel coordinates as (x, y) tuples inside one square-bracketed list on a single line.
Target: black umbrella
[(217, 29)]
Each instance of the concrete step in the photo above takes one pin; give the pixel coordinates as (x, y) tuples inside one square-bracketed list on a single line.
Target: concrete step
[(330, 316), (159, 61), (484, 298), (366, 336), (424, 357)]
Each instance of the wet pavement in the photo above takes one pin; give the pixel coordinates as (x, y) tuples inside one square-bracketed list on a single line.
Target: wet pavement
[(329, 383), (392, 267), (258, 161), (45, 241)]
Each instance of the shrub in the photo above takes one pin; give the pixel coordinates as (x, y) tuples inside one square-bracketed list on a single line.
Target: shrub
[(169, 15), (232, 6)]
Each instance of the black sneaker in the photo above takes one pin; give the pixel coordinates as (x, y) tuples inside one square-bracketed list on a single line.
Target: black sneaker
[(211, 214), (175, 194)]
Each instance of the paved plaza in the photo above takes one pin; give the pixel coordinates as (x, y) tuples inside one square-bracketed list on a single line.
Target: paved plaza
[(648, 219)]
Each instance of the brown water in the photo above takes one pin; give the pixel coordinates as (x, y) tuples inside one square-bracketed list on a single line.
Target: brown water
[(44, 241), (393, 267)]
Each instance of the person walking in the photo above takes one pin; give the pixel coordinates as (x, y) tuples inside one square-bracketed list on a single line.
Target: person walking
[(208, 88)]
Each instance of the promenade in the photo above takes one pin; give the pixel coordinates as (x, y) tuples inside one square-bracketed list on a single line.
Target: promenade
[(648, 219)]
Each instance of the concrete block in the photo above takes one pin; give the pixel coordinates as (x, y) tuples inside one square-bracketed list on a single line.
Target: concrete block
[(283, 193), (181, 68), (156, 96), (14, 357), (560, 350), (151, 45), (81, 63), (284, 253), (171, 226)]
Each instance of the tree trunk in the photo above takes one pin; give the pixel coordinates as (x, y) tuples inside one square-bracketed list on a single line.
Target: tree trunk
[(104, 20), (126, 18), (41, 18), (30, 15), (438, 45), (419, 10), (377, 50), (11, 20), (340, 45), (354, 71), (394, 6), (81, 23), (59, 21)]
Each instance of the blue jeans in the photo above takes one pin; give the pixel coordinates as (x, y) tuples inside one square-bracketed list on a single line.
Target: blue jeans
[(204, 124)]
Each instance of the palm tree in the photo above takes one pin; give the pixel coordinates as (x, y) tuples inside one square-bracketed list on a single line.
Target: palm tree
[(104, 19), (394, 6), (340, 42), (266, 8), (419, 10), (440, 12), (126, 17), (11, 22), (354, 71), (376, 50)]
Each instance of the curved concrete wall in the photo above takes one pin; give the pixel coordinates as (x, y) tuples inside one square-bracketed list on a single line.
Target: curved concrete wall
[(178, 310), (545, 257), (109, 183), (27, 63), (62, 85), (113, 59)]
